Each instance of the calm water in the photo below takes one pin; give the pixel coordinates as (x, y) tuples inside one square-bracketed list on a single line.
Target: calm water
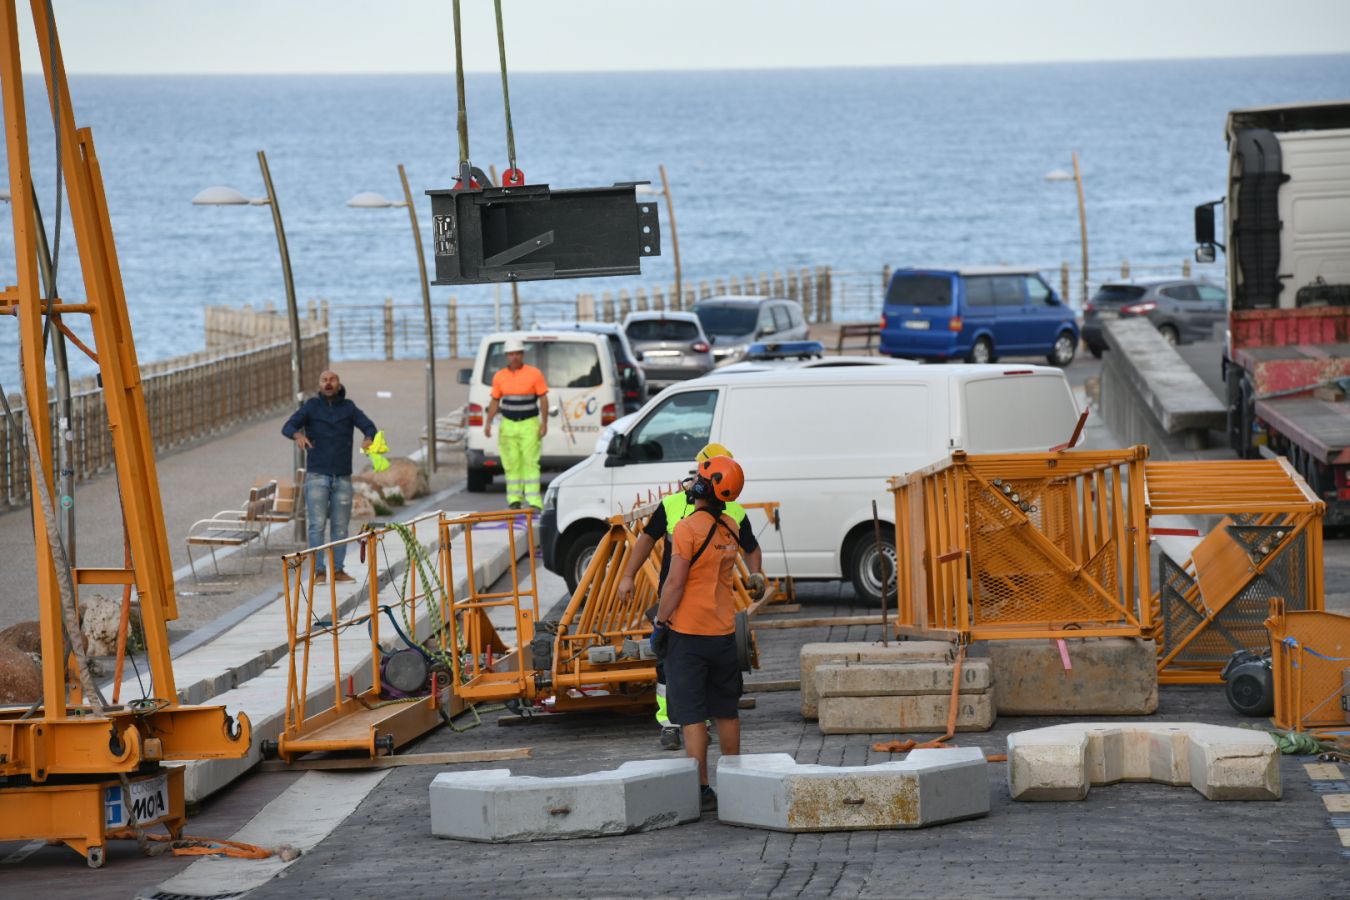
[(852, 168)]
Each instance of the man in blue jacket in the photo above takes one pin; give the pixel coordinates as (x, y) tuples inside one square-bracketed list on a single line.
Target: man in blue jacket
[(322, 427)]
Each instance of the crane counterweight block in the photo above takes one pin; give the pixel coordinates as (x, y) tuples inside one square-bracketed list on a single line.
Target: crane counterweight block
[(532, 233)]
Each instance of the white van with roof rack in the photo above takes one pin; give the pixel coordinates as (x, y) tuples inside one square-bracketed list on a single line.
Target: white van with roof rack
[(822, 442), (584, 396)]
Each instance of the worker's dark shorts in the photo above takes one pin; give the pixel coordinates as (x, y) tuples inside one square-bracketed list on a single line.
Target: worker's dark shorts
[(703, 678)]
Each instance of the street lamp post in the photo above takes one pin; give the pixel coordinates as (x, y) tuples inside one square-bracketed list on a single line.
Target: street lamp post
[(674, 233), (227, 196), (372, 200)]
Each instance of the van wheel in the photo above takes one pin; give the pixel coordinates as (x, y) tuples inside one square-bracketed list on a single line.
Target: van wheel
[(1062, 353), (579, 555), (872, 572), (981, 352), (479, 480)]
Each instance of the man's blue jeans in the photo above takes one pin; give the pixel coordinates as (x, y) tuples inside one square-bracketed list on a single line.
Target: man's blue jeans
[(328, 502)]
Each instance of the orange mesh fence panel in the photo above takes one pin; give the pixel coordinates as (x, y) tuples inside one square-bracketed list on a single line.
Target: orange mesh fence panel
[(1310, 655)]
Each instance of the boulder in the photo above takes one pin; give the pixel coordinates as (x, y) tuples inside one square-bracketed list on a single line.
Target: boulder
[(403, 476), (100, 617), (25, 636), (20, 676)]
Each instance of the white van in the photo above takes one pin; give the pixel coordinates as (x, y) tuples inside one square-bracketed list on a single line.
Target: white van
[(822, 442), (584, 395)]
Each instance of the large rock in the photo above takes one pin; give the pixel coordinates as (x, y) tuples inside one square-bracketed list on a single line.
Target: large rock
[(1222, 763), (923, 713), (929, 787), (494, 805), (814, 655), (1109, 677), (403, 474), (100, 617), (20, 676), (25, 636)]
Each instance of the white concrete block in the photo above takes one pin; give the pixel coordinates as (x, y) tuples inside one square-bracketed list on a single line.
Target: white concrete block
[(900, 678), (924, 713), (929, 787), (1222, 763), (813, 655), (495, 806)]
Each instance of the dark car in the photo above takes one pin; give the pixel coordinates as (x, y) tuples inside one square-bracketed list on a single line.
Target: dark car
[(632, 379), (1182, 309), (734, 322), (671, 345)]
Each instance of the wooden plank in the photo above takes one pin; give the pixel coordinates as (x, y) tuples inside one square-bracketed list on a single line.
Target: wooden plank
[(765, 687), (391, 762), (747, 703), (826, 622), (781, 608)]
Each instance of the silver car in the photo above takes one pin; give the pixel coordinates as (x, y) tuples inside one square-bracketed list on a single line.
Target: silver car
[(671, 347), (734, 322)]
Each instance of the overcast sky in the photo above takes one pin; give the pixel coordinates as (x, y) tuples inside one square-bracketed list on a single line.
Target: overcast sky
[(247, 36)]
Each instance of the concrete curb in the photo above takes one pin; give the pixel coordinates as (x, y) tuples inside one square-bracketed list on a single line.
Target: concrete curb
[(1222, 763), (929, 787), (495, 806)]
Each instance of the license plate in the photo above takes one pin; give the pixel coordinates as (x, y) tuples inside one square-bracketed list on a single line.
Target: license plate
[(148, 801), (918, 324), (1107, 314)]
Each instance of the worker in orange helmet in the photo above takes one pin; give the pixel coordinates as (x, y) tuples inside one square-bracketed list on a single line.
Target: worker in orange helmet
[(673, 509), (695, 628)]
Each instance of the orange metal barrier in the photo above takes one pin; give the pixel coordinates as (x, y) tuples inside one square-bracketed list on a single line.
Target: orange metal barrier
[(1023, 545), (324, 625), (1310, 659), (1267, 544)]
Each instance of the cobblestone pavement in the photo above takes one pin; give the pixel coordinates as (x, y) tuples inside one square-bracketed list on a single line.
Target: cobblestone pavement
[(1128, 840)]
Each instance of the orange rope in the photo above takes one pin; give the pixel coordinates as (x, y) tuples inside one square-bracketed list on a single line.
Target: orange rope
[(199, 846), (953, 708)]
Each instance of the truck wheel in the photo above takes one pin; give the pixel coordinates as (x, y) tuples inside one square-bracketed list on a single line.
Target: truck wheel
[(579, 554), (873, 573), (479, 480), (1232, 382), (981, 352), (1062, 353)]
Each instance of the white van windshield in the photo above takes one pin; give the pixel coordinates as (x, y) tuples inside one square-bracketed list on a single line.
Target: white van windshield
[(565, 364), (675, 430), (1018, 412)]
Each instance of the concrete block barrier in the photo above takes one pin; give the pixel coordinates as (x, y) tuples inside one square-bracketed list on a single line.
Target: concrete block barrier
[(814, 655), (495, 806), (897, 679), (929, 787), (922, 713), (1222, 763), (1109, 677)]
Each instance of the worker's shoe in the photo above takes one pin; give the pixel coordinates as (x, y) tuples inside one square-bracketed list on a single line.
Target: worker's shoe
[(342, 577), (515, 504), (320, 576), (707, 798), (670, 737)]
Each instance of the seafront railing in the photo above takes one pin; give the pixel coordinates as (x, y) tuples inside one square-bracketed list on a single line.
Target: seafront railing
[(187, 398)]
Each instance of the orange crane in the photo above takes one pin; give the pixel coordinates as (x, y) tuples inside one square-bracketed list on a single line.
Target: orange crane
[(74, 767)]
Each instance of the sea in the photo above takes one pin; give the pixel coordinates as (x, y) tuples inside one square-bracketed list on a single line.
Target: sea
[(769, 170)]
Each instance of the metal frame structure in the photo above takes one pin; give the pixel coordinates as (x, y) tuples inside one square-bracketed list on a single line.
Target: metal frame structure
[(62, 759), (1023, 545), (1310, 660), (1267, 544)]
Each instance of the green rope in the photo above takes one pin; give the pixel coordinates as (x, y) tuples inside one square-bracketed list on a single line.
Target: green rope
[(1293, 743), (506, 91), (461, 114)]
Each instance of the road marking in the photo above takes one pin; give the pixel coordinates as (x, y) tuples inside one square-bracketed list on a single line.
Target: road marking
[(301, 816), (23, 853), (1323, 771), (1337, 803), (1344, 835)]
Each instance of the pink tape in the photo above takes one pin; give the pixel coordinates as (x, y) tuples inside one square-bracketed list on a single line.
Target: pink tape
[(1064, 654)]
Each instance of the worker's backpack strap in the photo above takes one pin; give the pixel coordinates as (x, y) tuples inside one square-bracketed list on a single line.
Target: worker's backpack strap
[(717, 521)]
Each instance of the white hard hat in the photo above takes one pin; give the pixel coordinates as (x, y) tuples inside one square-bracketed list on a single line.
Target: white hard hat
[(513, 345)]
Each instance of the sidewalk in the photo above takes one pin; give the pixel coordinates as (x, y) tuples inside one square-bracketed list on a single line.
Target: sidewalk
[(216, 474)]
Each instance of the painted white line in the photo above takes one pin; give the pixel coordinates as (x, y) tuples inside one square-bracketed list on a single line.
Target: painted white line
[(302, 816), (23, 853)]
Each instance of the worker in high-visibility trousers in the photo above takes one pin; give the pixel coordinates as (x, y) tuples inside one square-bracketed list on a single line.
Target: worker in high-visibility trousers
[(520, 393), (673, 509)]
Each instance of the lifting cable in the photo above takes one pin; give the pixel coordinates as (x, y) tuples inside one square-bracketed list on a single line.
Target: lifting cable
[(512, 176)]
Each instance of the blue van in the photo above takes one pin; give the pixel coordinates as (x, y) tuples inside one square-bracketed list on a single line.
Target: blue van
[(976, 314)]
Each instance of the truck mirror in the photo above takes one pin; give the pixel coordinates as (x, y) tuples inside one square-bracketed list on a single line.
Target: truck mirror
[(466, 376), (1204, 253), (1204, 224)]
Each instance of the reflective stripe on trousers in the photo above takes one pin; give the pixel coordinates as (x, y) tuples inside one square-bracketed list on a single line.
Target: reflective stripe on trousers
[(662, 718), (518, 442)]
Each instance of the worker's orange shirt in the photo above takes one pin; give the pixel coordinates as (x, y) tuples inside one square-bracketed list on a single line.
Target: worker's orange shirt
[(708, 606), (518, 391)]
